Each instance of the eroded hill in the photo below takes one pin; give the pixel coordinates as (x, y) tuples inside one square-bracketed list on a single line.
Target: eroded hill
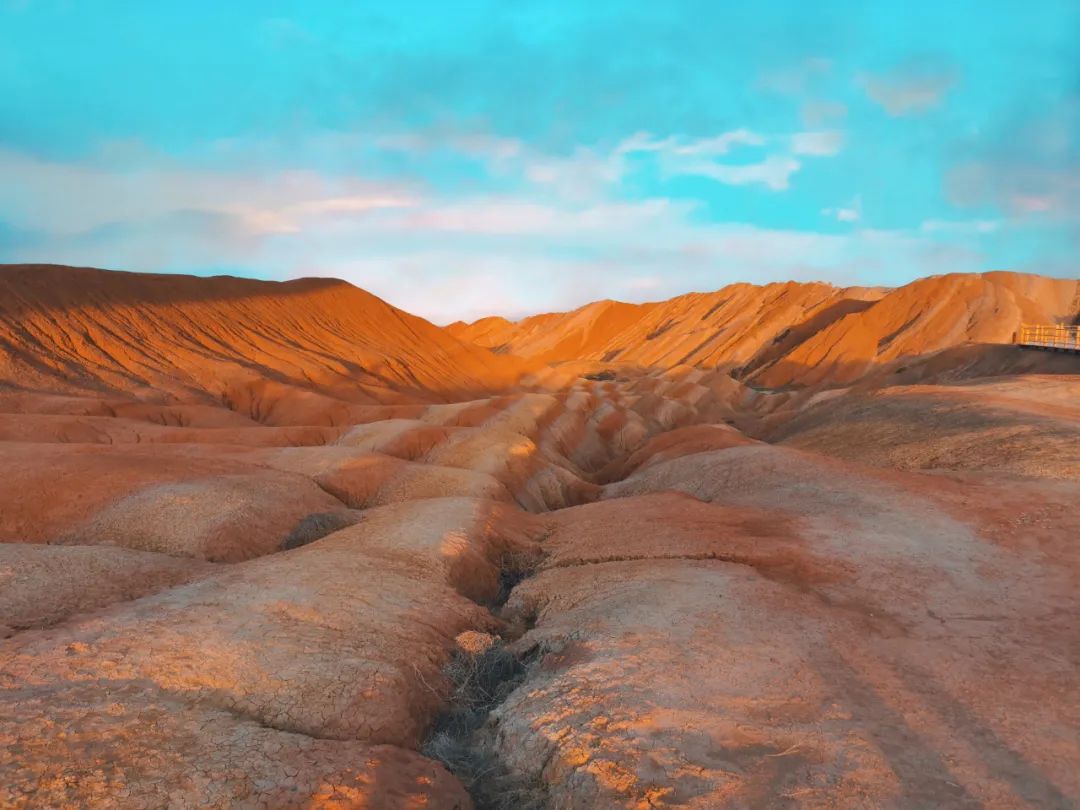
[(789, 333), (79, 329)]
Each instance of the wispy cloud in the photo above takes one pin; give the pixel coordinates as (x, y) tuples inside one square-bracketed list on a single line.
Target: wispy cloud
[(1018, 187), (852, 212), (943, 226), (796, 79), (587, 171), (819, 113), (75, 197), (698, 157), (910, 90), (703, 147), (478, 144), (1029, 169), (579, 175), (773, 172), (818, 144)]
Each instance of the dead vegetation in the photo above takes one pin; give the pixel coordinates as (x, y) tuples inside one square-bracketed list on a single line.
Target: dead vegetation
[(483, 674), (484, 671)]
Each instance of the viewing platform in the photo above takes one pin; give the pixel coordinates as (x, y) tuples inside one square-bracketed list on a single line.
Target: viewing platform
[(1056, 337)]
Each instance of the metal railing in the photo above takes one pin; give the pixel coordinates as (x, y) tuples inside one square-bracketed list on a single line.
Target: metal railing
[(1049, 336)]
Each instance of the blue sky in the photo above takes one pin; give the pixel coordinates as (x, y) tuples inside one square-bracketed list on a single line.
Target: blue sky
[(470, 158)]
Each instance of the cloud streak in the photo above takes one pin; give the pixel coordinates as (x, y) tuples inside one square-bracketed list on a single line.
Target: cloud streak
[(698, 157), (850, 213), (909, 91), (68, 198), (817, 144), (774, 172), (1029, 169)]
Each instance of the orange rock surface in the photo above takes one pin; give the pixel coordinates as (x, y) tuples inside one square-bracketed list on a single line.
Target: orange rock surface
[(238, 341), (790, 333), (283, 545)]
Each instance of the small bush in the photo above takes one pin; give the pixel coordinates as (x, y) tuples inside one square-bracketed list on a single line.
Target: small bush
[(480, 680), (314, 527), (484, 673), (515, 566)]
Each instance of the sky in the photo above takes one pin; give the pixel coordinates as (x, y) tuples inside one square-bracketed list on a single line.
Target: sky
[(462, 159)]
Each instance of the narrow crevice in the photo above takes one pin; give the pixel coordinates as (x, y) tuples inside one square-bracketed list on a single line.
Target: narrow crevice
[(254, 719), (484, 671), (704, 555)]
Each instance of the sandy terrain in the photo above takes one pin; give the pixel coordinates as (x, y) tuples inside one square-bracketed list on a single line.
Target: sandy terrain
[(283, 545)]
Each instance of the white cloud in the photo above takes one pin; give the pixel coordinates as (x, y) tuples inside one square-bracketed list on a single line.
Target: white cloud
[(912, 91), (818, 113), (774, 172), (1018, 185), (680, 156), (717, 145), (796, 79), (841, 214), (491, 215), (72, 198), (850, 213), (1028, 169), (1031, 203), (489, 147), (818, 144), (341, 205), (588, 172), (977, 226), (582, 174)]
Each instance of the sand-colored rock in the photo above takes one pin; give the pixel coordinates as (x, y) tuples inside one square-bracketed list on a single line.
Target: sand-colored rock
[(84, 747), (161, 498), (261, 667), (339, 639), (877, 667), (43, 585), (675, 443), (375, 480), (1027, 426), (43, 428)]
